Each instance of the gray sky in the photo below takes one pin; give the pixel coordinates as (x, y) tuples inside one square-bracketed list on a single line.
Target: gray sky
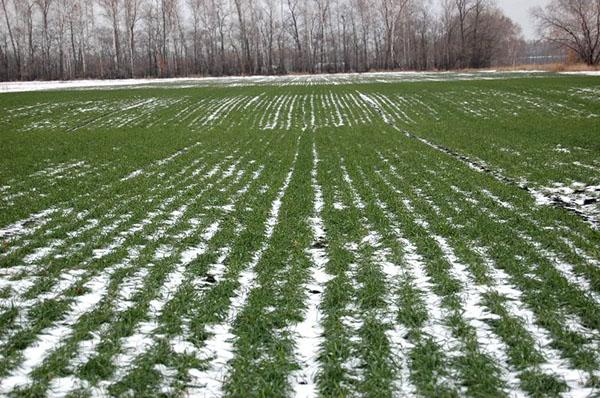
[(518, 10)]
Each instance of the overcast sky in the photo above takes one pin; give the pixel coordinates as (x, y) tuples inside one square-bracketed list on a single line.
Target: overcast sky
[(518, 10)]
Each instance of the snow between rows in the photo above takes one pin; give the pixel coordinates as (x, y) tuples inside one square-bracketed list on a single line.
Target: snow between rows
[(219, 348)]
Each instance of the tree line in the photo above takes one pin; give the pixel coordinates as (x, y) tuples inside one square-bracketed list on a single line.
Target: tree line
[(71, 39)]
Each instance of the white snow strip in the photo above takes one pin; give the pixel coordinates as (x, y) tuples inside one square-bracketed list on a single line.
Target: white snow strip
[(496, 199), (132, 175), (358, 202), (309, 333), (396, 332), (26, 226), (61, 387), (583, 73), (375, 105), (129, 288), (42, 252)]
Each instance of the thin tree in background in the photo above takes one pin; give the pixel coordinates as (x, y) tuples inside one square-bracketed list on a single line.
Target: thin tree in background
[(16, 50), (111, 11), (463, 8), (132, 17), (25, 11), (44, 6)]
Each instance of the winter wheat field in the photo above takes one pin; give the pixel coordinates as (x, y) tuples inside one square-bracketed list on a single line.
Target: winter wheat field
[(381, 235)]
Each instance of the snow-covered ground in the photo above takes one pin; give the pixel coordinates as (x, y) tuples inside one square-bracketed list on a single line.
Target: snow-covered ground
[(583, 73), (340, 78), (11, 87)]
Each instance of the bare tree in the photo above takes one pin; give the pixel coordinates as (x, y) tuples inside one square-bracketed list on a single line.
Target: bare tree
[(16, 50), (391, 12), (44, 6), (572, 24), (111, 9), (476, 42), (61, 21), (245, 61), (295, 31), (195, 7), (25, 9), (73, 12), (447, 26), (132, 17), (463, 8)]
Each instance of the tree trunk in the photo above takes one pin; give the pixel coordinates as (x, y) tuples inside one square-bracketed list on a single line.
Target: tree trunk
[(16, 52)]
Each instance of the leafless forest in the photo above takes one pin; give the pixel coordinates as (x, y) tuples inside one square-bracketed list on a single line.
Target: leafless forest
[(70, 39), (67, 39)]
